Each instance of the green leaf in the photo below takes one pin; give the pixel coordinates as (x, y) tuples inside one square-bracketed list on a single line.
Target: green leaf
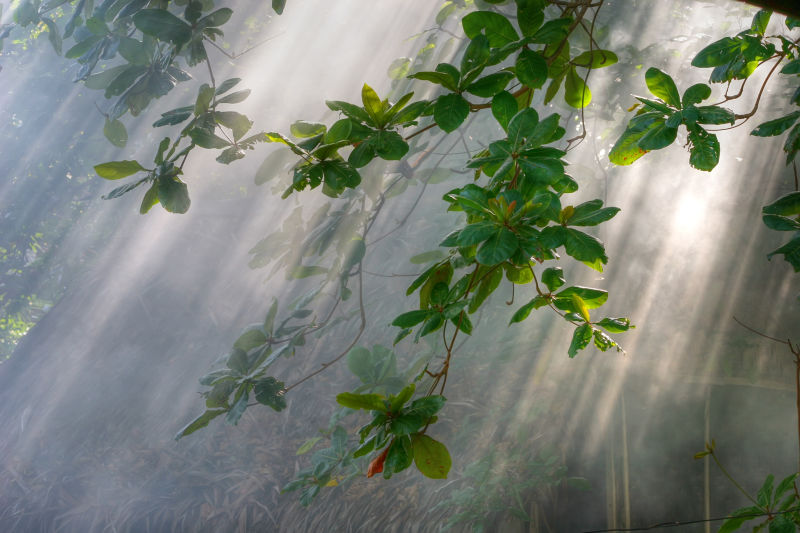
[(792, 67), (585, 248), (657, 137), (696, 94), (764, 496), (400, 399), (307, 445), (450, 111), (370, 402), (553, 278), (306, 271), (486, 287), (173, 195), (580, 339), (712, 114), (150, 199), (790, 252), (216, 18), (303, 129), (704, 149), (776, 126), (553, 31), (115, 170), (278, 6), (430, 456), (627, 150), (504, 107), (496, 27), (521, 126), (164, 25), (206, 139), (270, 392), (475, 57), (661, 85), (576, 93), (498, 247), (591, 298), (786, 205), (238, 124), (595, 59), (760, 21), (427, 257), (739, 517), (239, 407), (490, 85), (227, 85), (530, 15), (372, 105), (200, 422), (235, 98), (115, 132), (615, 325), (411, 318), (717, 53), (444, 79), (531, 68), (398, 458), (252, 338), (523, 312)]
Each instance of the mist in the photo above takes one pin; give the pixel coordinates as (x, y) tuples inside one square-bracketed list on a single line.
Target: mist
[(123, 313)]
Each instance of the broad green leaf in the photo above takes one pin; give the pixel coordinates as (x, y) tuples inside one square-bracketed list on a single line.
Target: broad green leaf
[(150, 199), (303, 129), (234, 98), (372, 105), (712, 114), (402, 397), (215, 18), (307, 445), (764, 496), (739, 517), (696, 94), (444, 79), (659, 136), (786, 205), (427, 257), (704, 149), (475, 57), (411, 318), (576, 93), (523, 312), (627, 150), (553, 278), (661, 85), (370, 402), (522, 125), (206, 139), (270, 392), (490, 85), (615, 325), (553, 31), (278, 6), (760, 21), (595, 59), (504, 107), (252, 338), (496, 27), (776, 126), (306, 271), (487, 285), (115, 132), (530, 15), (591, 298), (531, 68), (498, 247), (580, 339), (792, 67), (431, 456), (450, 111), (115, 170), (164, 25), (200, 422), (585, 248), (238, 124), (173, 194), (227, 85), (717, 53), (790, 252), (349, 110), (476, 233), (399, 456), (239, 406)]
